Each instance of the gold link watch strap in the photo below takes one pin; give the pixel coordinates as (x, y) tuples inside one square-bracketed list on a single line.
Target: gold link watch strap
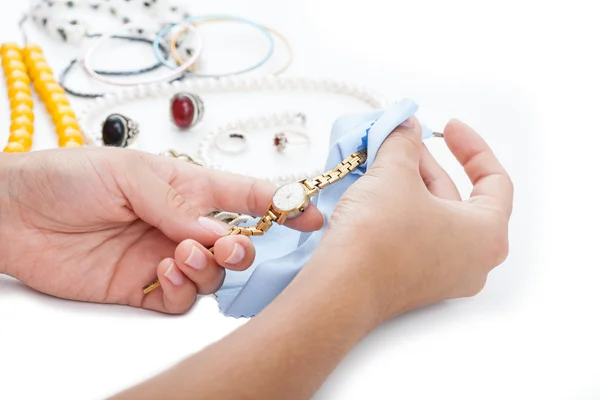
[(340, 171), (260, 229)]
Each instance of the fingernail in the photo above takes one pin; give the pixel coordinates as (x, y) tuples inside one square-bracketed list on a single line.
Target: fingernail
[(237, 255), (213, 226), (197, 259), (174, 275), (409, 123)]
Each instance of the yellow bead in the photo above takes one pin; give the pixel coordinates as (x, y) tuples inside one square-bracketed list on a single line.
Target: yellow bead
[(62, 110), (30, 49), (33, 59), (39, 67), (23, 137), (22, 110), (70, 135), (43, 77), (22, 123), (18, 86), (15, 76), (41, 80), (21, 98), (49, 89), (9, 46), (53, 111), (54, 106), (11, 54), (57, 97), (14, 147), (66, 122), (15, 65), (72, 145)]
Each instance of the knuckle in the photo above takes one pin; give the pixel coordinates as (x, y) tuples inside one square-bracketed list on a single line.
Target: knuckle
[(499, 248), (501, 251), (400, 136), (352, 209), (252, 196), (175, 200), (394, 163), (402, 142), (510, 184), (213, 285), (476, 286), (180, 307)]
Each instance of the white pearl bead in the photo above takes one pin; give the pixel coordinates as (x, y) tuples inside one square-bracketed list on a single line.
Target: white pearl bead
[(177, 85), (189, 84), (208, 85), (164, 88), (101, 102), (126, 95), (142, 91), (153, 90)]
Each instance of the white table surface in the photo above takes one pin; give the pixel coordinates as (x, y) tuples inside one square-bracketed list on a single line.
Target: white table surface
[(523, 73)]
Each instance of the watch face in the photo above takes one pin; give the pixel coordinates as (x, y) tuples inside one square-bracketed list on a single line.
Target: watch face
[(289, 197)]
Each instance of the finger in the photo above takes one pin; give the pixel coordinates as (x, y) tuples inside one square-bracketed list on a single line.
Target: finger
[(162, 206), (235, 252), (436, 179), (491, 183), (176, 294), (310, 220), (200, 266), (401, 151), (229, 192)]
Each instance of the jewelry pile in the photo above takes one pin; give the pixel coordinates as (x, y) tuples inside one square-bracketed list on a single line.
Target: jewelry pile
[(173, 34)]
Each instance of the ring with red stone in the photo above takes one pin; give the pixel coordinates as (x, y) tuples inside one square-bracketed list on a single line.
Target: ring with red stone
[(282, 140), (232, 142), (187, 109)]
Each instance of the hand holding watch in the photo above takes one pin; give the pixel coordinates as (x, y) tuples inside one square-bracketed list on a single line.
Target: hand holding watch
[(290, 200)]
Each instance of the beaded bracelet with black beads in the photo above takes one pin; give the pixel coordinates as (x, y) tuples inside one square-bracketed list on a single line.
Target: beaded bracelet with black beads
[(74, 30)]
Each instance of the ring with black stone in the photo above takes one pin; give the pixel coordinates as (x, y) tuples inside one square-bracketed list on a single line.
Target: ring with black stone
[(119, 131)]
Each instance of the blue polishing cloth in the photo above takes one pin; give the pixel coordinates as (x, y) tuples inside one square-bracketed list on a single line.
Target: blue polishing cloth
[(282, 252)]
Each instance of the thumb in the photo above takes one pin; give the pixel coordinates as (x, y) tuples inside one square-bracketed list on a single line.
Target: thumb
[(400, 153), (159, 204)]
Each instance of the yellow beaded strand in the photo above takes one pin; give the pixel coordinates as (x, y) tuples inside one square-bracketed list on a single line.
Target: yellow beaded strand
[(19, 94), (53, 95)]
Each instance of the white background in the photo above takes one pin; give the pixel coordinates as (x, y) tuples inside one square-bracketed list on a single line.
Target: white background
[(525, 75)]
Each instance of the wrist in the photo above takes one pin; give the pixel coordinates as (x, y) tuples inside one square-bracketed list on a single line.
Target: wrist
[(367, 265), (347, 279)]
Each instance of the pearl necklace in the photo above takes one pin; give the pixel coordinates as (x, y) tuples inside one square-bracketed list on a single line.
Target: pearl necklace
[(230, 84)]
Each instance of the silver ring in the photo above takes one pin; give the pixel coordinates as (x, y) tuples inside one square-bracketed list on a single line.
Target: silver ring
[(232, 142)]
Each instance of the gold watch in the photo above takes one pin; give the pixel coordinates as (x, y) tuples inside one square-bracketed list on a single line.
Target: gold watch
[(291, 200)]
